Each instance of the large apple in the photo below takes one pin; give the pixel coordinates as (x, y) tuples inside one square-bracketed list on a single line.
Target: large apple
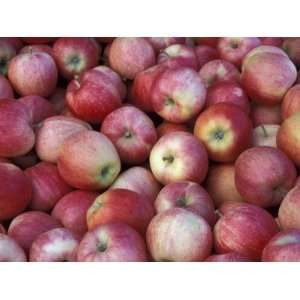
[(265, 135), (6, 91), (265, 114), (10, 251), (205, 54), (291, 102)]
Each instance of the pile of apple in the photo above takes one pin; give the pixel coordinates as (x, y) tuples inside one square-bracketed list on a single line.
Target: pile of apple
[(149, 149)]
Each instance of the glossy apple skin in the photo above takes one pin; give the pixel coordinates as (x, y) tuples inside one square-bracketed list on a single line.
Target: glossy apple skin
[(265, 135), (17, 136), (92, 97), (15, 192), (130, 55), (265, 114), (53, 132), (283, 247), (179, 156), (264, 175), (6, 91), (7, 52), (179, 235), (257, 67), (271, 41), (187, 195), (119, 243), (48, 186), (26, 227), (57, 99), (140, 180), (74, 55), (37, 48), (56, 245), (121, 205), (292, 47), (225, 130), (228, 92), (71, 210), (218, 70), (33, 74), (88, 160), (178, 95), (205, 54), (167, 127), (220, 184), (245, 229), (291, 102), (228, 257), (10, 251), (160, 43), (132, 132)]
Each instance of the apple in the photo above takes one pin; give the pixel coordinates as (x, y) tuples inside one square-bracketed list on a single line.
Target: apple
[(187, 195), (6, 91), (56, 245), (15, 192), (220, 184), (38, 40), (26, 227), (17, 136), (283, 247), (139, 180), (88, 160), (208, 41), (265, 114), (53, 132), (160, 43), (120, 205), (225, 130), (33, 74), (218, 70), (74, 55), (267, 74), (37, 48), (132, 132), (277, 175), (167, 127), (179, 235), (113, 242), (26, 161), (228, 257), (57, 99), (7, 52), (205, 54), (178, 95), (245, 229), (291, 102), (228, 92), (179, 156), (292, 47), (71, 210), (10, 251), (48, 186), (271, 41), (265, 135), (15, 42)]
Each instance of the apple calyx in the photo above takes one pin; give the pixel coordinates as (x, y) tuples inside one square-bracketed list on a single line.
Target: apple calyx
[(218, 134), (101, 247), (169, 102), (169, 159), (128, 134), (182, 202)]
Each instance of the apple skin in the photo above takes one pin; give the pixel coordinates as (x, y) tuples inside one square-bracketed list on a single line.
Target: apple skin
[(88, 160), (167, 127), (57, 99), (271, 41), (245, 229), (205, 54), (53, 132), (265, 135), (234, 49), (178, 156), (178, 95), (208, 41), (33, 74), (37, 48), (132, 132), (160, 43), (225, 130), (292, 47), (6, 91), (291, 102), (220, 184), (71, 210), (139, 180), (130, 55), (265, 114), (257, 67), (74, 55), (228, 92), (7, 52), (264, 175), (120, 205), (228, 257), (48, 186), (283, 247), (55, 245), (10, 251), (15, 42), (187, 195), (26, 227), (113, 242), (17, 136), (179, 235), (38, 40), (218, 70)]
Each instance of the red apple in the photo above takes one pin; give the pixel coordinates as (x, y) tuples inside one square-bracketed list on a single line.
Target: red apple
[(38, 40), (292, 47), (271, 41), (37, 48), (57, 99), (179, 235), (167, 127), (10, 251), (246, 229), (88, 160), (7, 52), (56, 245), (225, 130), (209, 41), (265, 135), (26, 161), (160, 43), (205, 54), (291, 102), (114, 242), (228, 257), (26, 227), (6, 91), (178, 156), (265, 114), (71, 210), (15, 192), (74, 55)]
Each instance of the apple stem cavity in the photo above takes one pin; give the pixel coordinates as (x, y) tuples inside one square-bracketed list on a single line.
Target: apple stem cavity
[(101, 247), (264, 131)]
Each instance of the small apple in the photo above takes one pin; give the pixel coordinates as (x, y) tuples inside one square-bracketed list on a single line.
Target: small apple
[(265, 135), (10, 251)]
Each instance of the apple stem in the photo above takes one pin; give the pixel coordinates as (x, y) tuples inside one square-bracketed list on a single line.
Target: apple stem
[(264, 130)]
